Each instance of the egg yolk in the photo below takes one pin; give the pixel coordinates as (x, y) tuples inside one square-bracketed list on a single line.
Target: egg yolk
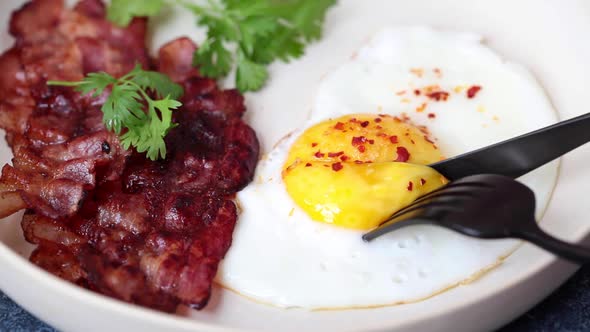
[(357, 170)]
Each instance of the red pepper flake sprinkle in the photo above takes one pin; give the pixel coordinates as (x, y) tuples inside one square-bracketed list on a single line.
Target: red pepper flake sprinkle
[(427, 139), (364, 124), (417, 71), (358, 140), (381, 135), (402, 154), (378, 127), (421, 108), (417, 92), (393, 139), (411, 140), (344, 158), (319, 154), (422, 181), (313, 145), (339, 126), (337, 166), (439, 95), (378, 120), (362, 148), (353, 120), (308, 165), (371, 141), (382, 115), (431, 115), (358, 162), (473, 91), (410, 186), (335, 154), (325, 165)]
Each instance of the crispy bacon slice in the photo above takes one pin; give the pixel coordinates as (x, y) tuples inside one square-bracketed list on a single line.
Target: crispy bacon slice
[(150, 233)]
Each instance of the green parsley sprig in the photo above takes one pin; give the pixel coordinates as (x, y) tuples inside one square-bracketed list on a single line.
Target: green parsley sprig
[(130, 111), (248, 34)]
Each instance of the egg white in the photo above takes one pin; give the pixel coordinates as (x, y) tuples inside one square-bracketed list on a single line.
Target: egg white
[(281, 257)]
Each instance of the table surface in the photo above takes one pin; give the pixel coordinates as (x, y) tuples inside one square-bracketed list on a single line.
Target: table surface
[(567, 310)]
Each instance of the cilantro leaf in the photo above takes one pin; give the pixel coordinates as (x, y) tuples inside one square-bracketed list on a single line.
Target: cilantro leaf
[(307, 16), (216, 58), (130, 111), (260, 32), (121, 12), (252, 34), (250, 76), (155, 82)]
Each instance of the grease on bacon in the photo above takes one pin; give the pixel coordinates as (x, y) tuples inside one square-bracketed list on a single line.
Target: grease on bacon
[(108, 219)]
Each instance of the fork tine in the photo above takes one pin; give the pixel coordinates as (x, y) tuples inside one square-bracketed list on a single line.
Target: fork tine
[(381, 230), (452, 188), (453, 191), (413, 207), (390, 225)]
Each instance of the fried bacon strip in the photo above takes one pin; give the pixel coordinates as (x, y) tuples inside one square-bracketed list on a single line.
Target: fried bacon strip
[(150, 233)]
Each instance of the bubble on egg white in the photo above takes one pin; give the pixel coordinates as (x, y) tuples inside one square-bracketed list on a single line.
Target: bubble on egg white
[(280, 256)]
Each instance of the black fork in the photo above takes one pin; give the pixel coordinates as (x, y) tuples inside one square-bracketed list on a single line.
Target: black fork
[(485, 206)]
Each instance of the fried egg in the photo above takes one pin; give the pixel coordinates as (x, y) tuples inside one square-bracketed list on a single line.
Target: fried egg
[(409, 97)]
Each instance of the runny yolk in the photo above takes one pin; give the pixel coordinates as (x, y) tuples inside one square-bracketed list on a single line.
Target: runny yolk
[(357, 170)]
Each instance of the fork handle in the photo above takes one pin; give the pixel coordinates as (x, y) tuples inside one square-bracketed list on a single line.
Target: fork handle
[(572, 252)]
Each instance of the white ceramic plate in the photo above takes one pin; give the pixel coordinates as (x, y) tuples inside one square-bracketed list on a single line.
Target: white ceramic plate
[(549, 37)]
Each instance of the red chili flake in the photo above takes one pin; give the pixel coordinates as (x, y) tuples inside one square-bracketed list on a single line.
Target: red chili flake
[(411, 140), (421, 108), (358, 162), (427, 139), (371, 141), (393, 139), (335, 154), (308, 165), (473, 91), (378, 120), (337, 166), (417, 71), (339, 126), (319, 154), (402, 154), (381, 135), (325, 165), (378, 127), (353, 120), (313, 145), (431, 115), (422, 181), (362, 148), (344, 158), (410, 186), (364, 124), (382, 115), (417, 92), (439, 95), (358, 140)]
